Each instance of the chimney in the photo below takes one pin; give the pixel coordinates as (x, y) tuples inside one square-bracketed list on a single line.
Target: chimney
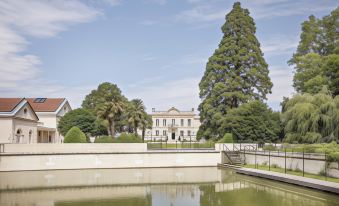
[(192, 109), (153, 109)]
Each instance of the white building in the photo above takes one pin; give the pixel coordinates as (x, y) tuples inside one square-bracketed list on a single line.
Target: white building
[(173, 125), (31, 120)]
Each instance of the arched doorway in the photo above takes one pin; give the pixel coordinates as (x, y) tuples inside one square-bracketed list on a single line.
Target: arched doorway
[(18, 136)]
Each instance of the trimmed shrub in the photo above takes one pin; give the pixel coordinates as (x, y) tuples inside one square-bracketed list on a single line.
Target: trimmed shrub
[(75, 135), (269, 147), (127, 138), (103, 139), (228, 138), (123, 138)]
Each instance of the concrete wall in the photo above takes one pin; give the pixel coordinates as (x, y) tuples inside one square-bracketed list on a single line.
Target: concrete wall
[(118, 160), (74, 148), (314, 163)]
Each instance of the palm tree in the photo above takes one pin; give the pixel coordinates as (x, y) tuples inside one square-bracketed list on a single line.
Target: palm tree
[(136, 114), (110, 111), (146, 123)]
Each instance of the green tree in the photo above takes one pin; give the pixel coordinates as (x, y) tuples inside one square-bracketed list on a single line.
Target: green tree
[(311, 118), (108, 104), (75, 135), (146, 123), (331, 71), (136, 112), (317, 56), (83, 119), (253, 122), (235, 73)]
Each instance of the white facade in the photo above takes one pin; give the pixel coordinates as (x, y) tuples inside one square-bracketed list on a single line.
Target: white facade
[(48, 124), (18, 125), (173, 125)]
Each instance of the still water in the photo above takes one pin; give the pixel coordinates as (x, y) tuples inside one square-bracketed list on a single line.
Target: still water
[(164, 186)]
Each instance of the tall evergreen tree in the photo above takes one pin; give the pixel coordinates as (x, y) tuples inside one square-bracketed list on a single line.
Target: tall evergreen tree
[(235, 73)]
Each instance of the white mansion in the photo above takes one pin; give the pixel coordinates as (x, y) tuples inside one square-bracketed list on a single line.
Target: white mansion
[(173, 125)]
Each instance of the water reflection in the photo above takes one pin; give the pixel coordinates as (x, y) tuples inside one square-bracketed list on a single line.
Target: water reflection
[(164, 186)]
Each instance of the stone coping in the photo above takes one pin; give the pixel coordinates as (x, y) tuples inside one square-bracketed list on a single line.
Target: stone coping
[(292, 179)]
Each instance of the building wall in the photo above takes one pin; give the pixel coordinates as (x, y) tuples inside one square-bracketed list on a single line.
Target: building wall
[(6, 130), (28, 131)]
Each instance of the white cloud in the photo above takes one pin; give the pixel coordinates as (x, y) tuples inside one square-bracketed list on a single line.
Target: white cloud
[(149, 22), (205, 11), (282, 78), (160, 2), (182, 94), (280, 44), (38, 19)]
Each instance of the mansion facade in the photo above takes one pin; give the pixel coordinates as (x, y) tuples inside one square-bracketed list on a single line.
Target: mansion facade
[(31, 120), (173, 125)]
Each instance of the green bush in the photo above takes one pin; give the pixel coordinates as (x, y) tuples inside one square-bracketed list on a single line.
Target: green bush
[(75, 135), (333, 157), (127, 138), (228, 138), (123, 138), (103, 139)]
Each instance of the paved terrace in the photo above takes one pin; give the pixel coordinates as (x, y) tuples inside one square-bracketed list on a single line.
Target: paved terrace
[(292, 179)]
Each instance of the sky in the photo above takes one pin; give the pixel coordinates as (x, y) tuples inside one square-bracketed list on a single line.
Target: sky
[(155, 50)]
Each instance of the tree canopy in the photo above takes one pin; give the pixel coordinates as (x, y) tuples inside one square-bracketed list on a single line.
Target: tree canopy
[(311, 118), (107, 103), (316, 60), (253, 122), (84, 120), (235, 74)]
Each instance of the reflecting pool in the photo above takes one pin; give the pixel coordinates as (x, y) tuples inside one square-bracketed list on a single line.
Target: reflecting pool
[(163, 186)]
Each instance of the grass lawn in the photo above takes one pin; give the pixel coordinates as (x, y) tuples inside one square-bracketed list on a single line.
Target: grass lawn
[(181, 145), (298, 173)]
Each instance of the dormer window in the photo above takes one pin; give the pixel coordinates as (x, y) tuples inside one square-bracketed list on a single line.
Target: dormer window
[(39, 100)]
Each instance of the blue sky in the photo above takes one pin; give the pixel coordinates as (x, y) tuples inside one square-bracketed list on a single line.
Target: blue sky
[(155, 50)]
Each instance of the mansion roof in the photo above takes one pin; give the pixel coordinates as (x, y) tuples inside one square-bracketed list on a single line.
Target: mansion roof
[(45, 104), (173, 112), (9, 104)]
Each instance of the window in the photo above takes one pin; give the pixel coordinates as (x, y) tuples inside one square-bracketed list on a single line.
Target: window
[(173, 121), (39, 100), (189, 133), (189, 122), (164, 122), (182, 133), (164, 133), (157, 122), (25, 111), (182, 122), (156, 132)]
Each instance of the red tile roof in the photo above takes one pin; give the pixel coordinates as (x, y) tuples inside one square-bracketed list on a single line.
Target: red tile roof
[(49, 105), (8, 104)]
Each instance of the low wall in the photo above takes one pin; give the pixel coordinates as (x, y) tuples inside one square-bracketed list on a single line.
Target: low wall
[(17, 162), (73, 148), (313, 163)]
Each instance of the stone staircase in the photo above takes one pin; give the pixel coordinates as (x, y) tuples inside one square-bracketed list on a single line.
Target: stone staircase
[(234, 157)]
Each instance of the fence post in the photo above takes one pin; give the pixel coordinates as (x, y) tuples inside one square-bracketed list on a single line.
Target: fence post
[(269, 160), (176, 144), (161, 143), (303, 162), (255, 159), (325, 166), (285, 160), (166, 144)]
